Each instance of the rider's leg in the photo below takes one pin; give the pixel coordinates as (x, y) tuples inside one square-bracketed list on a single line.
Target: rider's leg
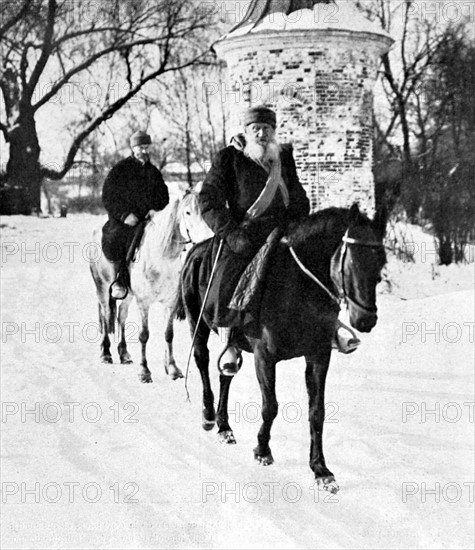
[(114, 239), (122, 255)]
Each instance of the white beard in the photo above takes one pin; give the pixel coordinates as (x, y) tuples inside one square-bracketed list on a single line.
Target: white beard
[(262, 154)]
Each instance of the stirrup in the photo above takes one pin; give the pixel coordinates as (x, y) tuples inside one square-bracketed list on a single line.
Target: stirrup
[(230, 369), (122, 290), (348, 346)]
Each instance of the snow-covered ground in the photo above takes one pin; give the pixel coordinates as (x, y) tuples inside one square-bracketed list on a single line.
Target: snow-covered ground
[(92, 458)]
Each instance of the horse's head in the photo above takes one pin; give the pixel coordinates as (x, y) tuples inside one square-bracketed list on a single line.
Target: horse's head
[(192, 227), (356, 268)]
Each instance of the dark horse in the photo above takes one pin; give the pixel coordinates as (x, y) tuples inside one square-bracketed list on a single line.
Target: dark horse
[(342, 249)]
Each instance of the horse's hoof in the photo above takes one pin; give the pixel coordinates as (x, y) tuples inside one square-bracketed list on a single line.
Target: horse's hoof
[(327, 483), (126, 360), (227, 437), (145, 378), (174, 372), (208, 418), (266, 460), (208, 425), (106, 359)]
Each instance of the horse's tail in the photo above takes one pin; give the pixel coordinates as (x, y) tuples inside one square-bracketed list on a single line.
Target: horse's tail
[(107, 316), (112, 316), (107, 324)]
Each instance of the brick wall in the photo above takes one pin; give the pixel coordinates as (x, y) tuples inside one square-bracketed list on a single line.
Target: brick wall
[(321, 86)]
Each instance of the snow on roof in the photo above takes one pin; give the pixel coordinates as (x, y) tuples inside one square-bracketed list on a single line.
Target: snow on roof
[(289, 15)]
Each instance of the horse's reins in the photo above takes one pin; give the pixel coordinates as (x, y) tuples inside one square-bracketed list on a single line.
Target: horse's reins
[(344, 246), (312, 276)]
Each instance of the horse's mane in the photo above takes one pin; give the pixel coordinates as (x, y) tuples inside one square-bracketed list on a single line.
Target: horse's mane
[(163, 229), (330, 222), (189, 200), (327, 224)]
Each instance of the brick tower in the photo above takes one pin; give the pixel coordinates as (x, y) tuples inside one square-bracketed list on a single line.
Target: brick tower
[(315, 62)]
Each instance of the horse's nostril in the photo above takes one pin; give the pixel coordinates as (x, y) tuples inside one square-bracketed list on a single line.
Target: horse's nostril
[(370, 322), (365, 324)]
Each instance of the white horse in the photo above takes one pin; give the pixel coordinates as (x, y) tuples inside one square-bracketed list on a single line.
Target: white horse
[(154, 276)]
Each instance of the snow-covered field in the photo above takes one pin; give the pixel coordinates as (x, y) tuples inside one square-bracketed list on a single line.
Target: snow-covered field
[(92, 458)]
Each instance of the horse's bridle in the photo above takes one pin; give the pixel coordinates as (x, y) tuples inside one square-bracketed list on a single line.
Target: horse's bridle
[(189, 241), (344, 296), (344, 247)]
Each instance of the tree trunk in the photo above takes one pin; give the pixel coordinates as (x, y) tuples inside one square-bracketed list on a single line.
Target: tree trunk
[(22, 188), (445, 250), (189, 176)]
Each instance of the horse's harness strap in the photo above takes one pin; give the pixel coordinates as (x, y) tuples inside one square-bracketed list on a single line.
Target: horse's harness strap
[(350, 240), (345, 241), (312, 276), (189, 241)]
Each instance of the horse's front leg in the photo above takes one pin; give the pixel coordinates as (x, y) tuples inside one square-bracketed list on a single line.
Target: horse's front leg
[(124, 355), (201, 355), (315, 376), (265, 369), (145, 375), (170, 366)]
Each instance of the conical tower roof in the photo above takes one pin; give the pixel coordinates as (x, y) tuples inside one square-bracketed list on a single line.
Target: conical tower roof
[(288, 15)]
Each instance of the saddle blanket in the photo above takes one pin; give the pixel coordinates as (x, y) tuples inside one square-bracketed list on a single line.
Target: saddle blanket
[(247, 295)]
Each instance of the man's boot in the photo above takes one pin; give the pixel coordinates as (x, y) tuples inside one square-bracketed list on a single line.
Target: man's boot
[(230, 358), (118, 288)]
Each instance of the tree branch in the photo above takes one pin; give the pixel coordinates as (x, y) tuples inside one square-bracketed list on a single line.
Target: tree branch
[(90, 30), (46, 50), (58, 174), (15, 19), (60, 83), (404, 37)]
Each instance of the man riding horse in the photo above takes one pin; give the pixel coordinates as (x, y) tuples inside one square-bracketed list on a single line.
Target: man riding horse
[(251, 190), (133, 191)]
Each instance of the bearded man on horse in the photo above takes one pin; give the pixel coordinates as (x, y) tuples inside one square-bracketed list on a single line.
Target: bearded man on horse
[(133, 192), (251, 190), (249, 197)]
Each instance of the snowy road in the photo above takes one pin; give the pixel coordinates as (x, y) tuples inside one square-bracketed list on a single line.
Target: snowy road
[(92, 458)]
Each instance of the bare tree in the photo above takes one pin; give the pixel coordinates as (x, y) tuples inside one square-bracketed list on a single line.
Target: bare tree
[(444, 137), (404, 69), (58, 41), (424, 145), (404, 66), (194, 118)]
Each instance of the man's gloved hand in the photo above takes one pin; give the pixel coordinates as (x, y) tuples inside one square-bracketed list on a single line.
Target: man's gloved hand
[(131, 219), (239, 241)]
